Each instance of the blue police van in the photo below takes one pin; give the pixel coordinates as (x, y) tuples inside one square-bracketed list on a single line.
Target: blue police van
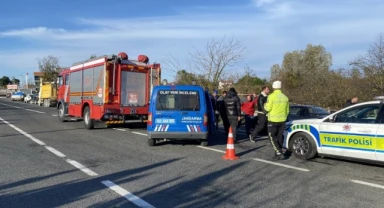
[(181, 112)]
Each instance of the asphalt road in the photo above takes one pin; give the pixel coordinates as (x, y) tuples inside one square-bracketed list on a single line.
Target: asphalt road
[(46, 163)]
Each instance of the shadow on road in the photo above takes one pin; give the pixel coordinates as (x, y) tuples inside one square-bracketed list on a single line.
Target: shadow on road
[(228, 186), (68, 192)]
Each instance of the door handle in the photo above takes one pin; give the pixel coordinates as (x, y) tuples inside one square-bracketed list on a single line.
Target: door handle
[(364, 130)]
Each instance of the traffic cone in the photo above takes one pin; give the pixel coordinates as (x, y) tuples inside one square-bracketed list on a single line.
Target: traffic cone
[(230, 154)]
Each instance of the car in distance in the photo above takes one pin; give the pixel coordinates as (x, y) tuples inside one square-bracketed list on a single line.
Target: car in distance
[(29, 98), (297, 111), (17, 96)]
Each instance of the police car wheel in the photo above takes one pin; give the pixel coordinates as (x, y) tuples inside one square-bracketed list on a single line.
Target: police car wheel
[(151, 142), (303, 146)]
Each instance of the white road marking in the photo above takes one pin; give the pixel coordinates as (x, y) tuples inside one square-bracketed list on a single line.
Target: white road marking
[(368, 184), (207, 148), (23, 132), (54, 151), (142, 134), (82, 167), (279, 164), (126, 194), (73, 119), (9, 105), (54, 115), (51, 149), (260, 160), (35, 111), (119, 129)]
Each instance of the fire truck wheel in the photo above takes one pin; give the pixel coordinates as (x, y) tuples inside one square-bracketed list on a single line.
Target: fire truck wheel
[(151, 142), (60, 113), (88, 122)]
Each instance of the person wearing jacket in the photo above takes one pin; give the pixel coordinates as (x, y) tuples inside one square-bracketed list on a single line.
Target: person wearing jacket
[(232, 106), (261, 114), (248, 107), (277, 106), (217, 115), (223, 111)]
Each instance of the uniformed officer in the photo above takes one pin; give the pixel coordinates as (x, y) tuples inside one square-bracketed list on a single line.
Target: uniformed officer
[(277, 106)]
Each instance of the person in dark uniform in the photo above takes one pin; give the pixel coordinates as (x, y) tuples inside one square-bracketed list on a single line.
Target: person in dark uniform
[(223, 111), (261, 114), (232, 106), (215, 108)]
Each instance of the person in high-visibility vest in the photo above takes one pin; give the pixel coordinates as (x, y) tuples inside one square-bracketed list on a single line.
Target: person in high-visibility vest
[(277, 106)]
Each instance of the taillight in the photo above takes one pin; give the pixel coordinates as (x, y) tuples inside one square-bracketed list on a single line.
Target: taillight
[(149, 119), (205, 120)]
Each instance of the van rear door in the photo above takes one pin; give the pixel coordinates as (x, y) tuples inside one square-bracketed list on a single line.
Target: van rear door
[(192, 110), (165, 114)]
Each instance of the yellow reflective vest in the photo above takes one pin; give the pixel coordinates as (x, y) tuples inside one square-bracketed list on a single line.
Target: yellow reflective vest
[(277, 106)]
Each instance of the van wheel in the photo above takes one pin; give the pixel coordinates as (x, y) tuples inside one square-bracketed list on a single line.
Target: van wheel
[(151, 142), (204, 143), (88, 122), (303, 146)]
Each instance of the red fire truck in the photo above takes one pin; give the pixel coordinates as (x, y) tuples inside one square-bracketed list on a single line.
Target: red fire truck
[(109, 89)]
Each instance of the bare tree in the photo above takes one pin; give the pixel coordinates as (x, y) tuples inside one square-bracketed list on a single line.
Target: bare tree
[(372, 64), (213, 60), (275, 72), (93, 56), (50, 67)]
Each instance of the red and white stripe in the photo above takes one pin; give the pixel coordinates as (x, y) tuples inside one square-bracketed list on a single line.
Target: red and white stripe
[(193, 128), (161, 127)]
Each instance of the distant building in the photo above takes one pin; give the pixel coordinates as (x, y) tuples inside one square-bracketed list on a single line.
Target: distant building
[(225, 84), (37, 76)]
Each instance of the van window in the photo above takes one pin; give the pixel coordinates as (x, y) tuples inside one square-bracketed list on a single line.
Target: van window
[(166, 102), (190, 102), (187, 100)]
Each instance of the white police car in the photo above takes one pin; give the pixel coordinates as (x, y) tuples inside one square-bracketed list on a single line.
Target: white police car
[(354, 132)]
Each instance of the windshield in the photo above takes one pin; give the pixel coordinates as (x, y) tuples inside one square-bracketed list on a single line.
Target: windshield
[(294, 110), (187, 100)]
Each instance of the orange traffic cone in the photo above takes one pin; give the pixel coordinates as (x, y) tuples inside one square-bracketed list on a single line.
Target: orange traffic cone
[(230, 154)]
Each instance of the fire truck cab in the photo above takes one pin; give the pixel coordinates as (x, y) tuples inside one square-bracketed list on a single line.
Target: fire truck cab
[(109, 89)]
